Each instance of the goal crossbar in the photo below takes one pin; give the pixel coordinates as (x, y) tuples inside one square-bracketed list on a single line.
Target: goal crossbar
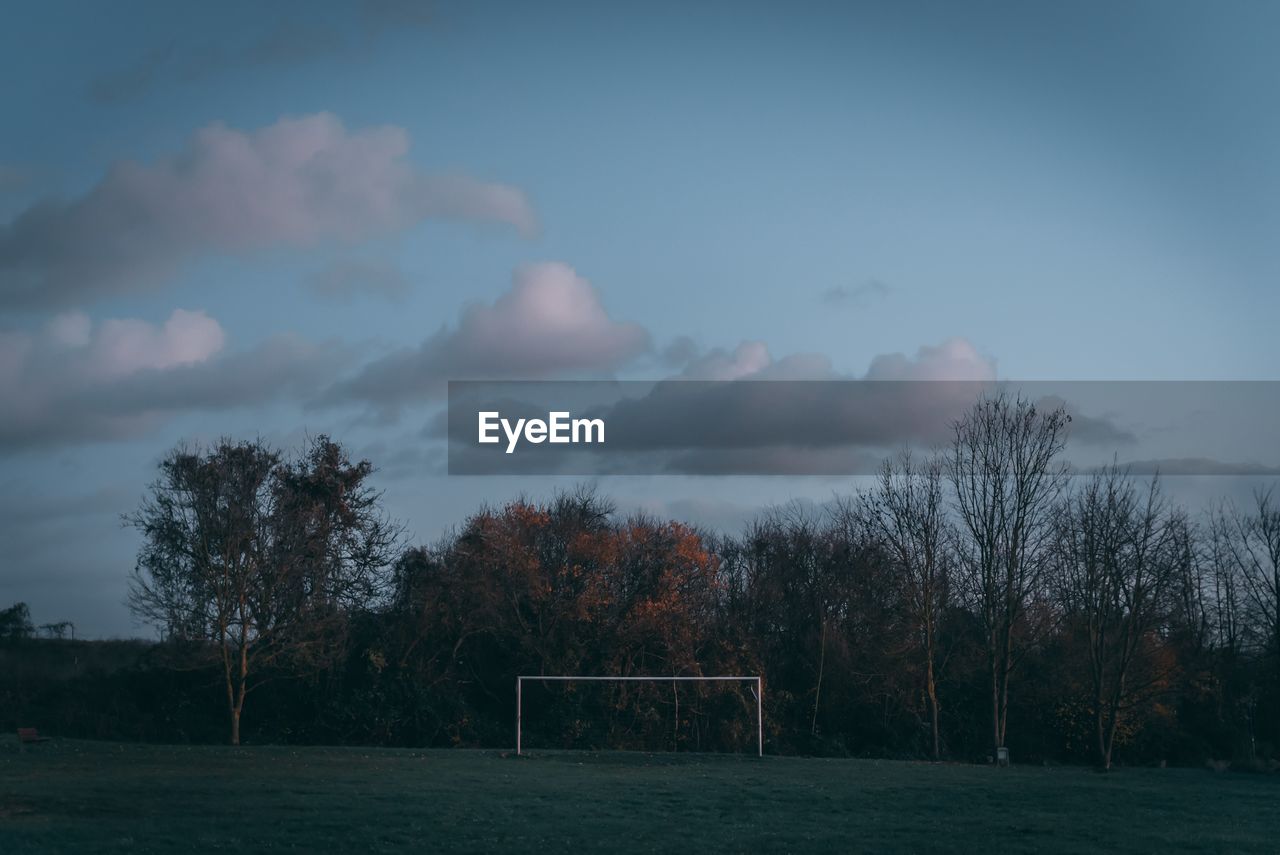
[(758, 691)]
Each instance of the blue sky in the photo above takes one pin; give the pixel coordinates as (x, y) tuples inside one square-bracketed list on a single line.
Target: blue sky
[(1074, 191)]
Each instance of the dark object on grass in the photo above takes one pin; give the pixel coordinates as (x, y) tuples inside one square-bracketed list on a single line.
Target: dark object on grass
[(28, 735)]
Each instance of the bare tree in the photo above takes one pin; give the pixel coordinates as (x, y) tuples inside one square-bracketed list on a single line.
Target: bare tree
[(58, 629), (792, 541), (1007, 479), (1120, 558), (906, 513), (1225, 599), (1251, 546), (1192, 619), (257, 561)]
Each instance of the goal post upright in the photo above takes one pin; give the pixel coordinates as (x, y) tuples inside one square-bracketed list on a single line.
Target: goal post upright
[(559, 678), (759, 717)]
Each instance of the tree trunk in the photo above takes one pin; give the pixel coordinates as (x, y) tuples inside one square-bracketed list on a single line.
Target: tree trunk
[(232, 708), (817, 689), (1006, 669), (236, 709), (236, 695), (1104, 752), (933, 710), (995, 707), (1000, 687)]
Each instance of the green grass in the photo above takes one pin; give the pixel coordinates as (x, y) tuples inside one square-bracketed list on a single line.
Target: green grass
[(69, 796)]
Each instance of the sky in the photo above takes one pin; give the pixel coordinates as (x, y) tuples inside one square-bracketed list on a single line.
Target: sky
[(286, 219)]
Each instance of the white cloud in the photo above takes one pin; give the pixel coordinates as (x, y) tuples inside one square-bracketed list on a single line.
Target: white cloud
[(748, 358), (122, 347), (954, 359), (751, 360), (550, 324)]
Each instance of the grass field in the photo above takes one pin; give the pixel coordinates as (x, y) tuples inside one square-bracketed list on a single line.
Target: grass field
[(69, 796)]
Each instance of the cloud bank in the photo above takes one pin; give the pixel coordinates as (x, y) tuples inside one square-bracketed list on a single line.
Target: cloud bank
[(295, 183), (73, 381)]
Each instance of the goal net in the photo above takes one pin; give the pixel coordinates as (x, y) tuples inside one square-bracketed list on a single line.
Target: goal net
[(697, 703)]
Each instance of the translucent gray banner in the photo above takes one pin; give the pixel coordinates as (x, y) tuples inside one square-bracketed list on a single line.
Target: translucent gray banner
[(842, 427)]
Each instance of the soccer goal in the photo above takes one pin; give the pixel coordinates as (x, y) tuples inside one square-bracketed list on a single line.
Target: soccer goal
[(756, 684)]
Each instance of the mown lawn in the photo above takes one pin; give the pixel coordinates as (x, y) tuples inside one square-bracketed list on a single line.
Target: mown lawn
[(70, 796)]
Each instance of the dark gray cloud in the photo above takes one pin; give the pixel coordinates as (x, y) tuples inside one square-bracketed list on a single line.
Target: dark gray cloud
[(1193, 466), (296, 183), (348, 279), (679, 352), (550, 324), (836, 462), (1090, 430), (856, 295), (789, 416)]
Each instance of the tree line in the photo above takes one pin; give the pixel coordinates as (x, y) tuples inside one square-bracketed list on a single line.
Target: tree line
[(977, 598)]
